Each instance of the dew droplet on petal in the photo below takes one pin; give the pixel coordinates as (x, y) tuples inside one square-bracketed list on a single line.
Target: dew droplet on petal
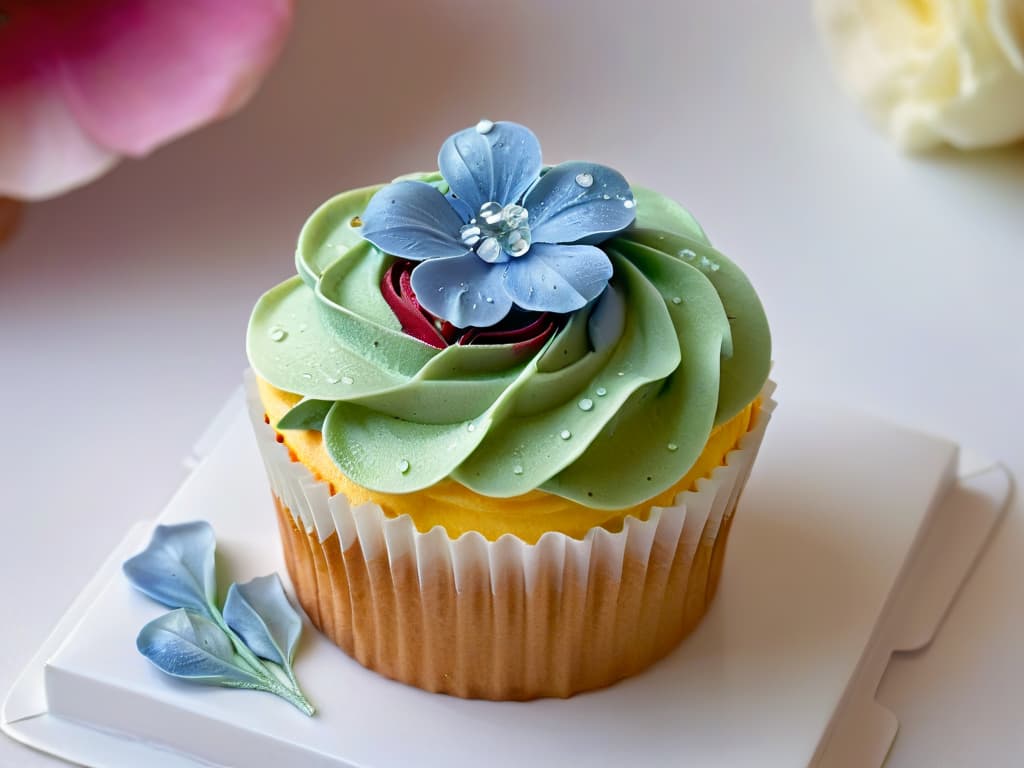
[(346, 379), (517, 469), (277, 333), (601, 391), (403, 466), (471, 427), (677, 299), (489, 250), (687, 254), (565, 434), (586, 404), (672, 447), (492, 213), (585, 180), (484, 127), (628, 203)]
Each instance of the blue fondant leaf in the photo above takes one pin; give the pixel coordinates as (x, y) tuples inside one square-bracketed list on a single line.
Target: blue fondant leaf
[(306, 414), (177, 568), (558, 278), (190, 646), (260, 613), (464, 290), (412, 219), (195, 642), (579, 202), (497, 165)]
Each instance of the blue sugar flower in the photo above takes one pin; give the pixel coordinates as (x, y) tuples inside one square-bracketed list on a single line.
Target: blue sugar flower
[(505, 234)]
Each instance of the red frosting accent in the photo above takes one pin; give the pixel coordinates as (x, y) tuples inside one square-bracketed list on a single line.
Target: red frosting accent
[(526, 330), (397, 291)]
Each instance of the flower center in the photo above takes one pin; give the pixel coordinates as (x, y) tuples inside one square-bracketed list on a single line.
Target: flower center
[(497, 230)]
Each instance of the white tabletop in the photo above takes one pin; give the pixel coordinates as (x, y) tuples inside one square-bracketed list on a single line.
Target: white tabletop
[(892, 283)]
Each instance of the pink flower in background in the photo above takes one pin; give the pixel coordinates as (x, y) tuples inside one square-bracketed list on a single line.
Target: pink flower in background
[(84, 82)]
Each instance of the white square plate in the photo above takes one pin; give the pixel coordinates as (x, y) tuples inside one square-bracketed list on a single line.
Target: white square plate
[(820, 584)]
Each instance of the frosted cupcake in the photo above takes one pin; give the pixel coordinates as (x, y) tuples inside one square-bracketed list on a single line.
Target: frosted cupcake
[(507, 412)]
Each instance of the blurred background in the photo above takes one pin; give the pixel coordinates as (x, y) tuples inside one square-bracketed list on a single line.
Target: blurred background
[(892, 281)]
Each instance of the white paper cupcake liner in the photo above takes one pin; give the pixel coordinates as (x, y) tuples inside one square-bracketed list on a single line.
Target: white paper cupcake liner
[(503, 619)]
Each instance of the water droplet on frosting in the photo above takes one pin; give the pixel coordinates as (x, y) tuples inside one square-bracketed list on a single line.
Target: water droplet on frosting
[(601, 391), (403, 466), (277, 333), (677, 299), (585, 180), (565, 434), (672, 447), (346, 379), (517, 469), (586, 404), (484, 127), (687, 254)]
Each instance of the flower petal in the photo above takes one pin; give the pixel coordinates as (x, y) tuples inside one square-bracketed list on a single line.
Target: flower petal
[(259, 612), (564, 210), (137, 74), (193, 647), (43, 151), (177, 567), (557, 278), (412, 219), (497, 166), (464, 290)]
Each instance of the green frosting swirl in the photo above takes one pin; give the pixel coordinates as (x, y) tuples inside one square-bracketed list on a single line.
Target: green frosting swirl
[(612, 410)]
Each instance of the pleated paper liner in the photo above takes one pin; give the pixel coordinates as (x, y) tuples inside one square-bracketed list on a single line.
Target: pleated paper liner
[(503, 619)]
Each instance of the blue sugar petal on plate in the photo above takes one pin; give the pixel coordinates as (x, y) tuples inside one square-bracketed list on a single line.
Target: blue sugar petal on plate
[(177, 568), (259, 612), (192, 647)]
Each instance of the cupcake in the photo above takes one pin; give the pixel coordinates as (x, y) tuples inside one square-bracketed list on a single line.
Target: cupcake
[(507, 412)]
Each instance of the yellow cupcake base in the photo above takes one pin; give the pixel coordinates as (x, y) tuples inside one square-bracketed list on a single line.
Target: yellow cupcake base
[(503, 619), (459, 510)]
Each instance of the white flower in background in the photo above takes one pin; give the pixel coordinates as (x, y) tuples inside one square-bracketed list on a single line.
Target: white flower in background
[(933, 71)]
